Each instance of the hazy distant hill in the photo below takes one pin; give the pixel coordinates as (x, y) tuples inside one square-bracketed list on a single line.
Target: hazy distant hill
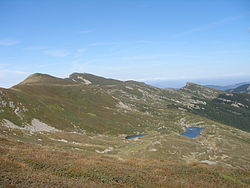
[(224, 88), (241, 89)]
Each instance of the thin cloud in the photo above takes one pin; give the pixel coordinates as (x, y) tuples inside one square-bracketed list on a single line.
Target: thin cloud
[(57, 53), (4, 64), (13, 72), (8, 42), (208, 26), (148, 57), (86, 31), (48, 65), (232, 52), (79, 52), (117, 43), (36, 48), (154, 56)]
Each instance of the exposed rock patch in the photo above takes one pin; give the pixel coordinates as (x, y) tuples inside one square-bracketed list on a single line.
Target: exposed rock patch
[(36, 126)]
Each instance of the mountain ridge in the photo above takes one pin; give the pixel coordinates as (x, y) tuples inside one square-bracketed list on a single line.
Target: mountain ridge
[(129, 96), (40, 78)]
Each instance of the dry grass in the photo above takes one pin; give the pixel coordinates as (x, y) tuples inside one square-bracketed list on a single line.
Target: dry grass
[(23, 165)]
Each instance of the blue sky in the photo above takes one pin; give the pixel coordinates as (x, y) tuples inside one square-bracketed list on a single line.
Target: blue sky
[(131, 39)]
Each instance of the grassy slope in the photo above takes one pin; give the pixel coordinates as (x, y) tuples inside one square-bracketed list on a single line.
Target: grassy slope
[(27, 165), (87, 107)]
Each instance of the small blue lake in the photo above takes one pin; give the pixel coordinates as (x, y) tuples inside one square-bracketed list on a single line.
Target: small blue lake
[(136, 136), (192, 132)]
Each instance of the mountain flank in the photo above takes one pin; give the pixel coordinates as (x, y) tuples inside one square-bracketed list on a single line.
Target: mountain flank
[(99, 104), (90, 131)]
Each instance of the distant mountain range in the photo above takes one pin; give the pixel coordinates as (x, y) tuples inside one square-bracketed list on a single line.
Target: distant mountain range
[(227, 87), (180, 83), (241, 89)]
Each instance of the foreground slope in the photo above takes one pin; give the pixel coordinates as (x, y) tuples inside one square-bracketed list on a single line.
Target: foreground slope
[(25, 165), (85, 119)]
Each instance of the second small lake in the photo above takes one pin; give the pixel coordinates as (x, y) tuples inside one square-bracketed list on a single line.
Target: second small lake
[(192, 132), (136, 136)]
